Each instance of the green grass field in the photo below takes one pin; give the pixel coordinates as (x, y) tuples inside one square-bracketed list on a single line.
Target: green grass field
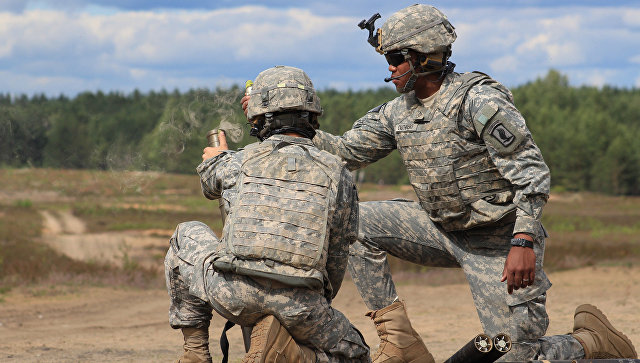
[(585, 229)]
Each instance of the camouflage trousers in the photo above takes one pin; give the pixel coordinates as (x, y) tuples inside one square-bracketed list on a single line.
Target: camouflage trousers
[(195, 289), (404, 230)]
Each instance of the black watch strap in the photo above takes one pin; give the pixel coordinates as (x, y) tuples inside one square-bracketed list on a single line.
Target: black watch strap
[(521, 242)]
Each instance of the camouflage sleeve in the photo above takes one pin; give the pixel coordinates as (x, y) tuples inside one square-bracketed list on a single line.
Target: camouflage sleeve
[(219, 173), (343, 231), (490, 112), (371, 138)]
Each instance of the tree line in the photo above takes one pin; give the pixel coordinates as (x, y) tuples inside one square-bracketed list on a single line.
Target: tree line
[(589, 136)]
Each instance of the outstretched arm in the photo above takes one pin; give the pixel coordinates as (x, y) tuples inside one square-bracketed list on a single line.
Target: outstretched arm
[(371, 138)]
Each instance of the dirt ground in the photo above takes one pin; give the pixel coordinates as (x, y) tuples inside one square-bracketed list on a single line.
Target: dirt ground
[(118, 325), (90, 324)]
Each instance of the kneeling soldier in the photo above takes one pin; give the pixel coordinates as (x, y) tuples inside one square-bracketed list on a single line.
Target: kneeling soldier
[(292, 214)]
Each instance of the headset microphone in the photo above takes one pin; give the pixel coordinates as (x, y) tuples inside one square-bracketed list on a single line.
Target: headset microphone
[(389, 79)]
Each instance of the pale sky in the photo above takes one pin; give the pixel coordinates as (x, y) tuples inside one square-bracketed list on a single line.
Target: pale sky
[(70, 46)]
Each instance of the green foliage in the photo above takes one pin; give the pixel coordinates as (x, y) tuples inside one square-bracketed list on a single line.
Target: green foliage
[(24, 203), (23, 127), (589, 136)]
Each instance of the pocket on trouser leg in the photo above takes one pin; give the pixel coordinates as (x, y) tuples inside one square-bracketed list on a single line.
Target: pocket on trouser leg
[(185, 310), (352, 347), (529, 322)]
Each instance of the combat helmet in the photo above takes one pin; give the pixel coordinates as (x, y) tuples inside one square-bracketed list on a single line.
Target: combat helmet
[(420, 28), (283, 99)]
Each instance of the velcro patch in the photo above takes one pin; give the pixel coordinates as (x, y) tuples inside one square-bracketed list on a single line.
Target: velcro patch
[(504, 136), (483, 116), (291, 164)]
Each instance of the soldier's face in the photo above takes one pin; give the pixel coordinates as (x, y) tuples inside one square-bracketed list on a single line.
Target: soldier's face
[(398, 70)]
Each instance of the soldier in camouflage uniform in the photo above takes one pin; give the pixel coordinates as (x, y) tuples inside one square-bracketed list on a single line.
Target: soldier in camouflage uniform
[(481, 182), (292, 214)]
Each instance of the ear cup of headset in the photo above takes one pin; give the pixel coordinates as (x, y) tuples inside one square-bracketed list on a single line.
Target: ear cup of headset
[(432, 61)]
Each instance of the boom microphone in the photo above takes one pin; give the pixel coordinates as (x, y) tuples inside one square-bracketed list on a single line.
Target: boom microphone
[(389, 79)]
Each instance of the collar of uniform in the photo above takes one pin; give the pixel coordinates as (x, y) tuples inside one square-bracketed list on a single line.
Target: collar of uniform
[(291, 139), (419, 112)]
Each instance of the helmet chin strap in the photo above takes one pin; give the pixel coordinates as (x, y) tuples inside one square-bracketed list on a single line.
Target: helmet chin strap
[(411, 82)]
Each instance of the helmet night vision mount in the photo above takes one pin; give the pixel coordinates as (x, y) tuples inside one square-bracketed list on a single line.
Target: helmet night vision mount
[(422, 29)]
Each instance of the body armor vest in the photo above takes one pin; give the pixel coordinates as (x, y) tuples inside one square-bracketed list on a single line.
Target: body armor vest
[(449, 167), (277, 224)]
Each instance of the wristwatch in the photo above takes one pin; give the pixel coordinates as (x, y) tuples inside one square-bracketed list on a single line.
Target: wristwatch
[(521, 242)]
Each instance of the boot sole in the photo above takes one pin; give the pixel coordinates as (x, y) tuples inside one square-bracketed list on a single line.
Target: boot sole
[(263, 335), (588, 308)]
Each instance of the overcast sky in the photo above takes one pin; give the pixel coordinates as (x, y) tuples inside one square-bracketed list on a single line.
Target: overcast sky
[(69, 46)]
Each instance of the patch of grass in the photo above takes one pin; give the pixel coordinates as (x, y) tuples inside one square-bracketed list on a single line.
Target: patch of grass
[(591, 229), (102, 219), (24, 203), (574, 250), (98, 183), (132, 226), (24, 260), (598, 226), (198, 203), (127, 263), (3, 291), (586, 229)]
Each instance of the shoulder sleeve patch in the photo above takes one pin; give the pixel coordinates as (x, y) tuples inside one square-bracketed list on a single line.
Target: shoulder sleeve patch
[(502, 134), (377, 108)]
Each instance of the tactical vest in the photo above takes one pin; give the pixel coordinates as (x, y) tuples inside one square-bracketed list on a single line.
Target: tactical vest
[(277, 224), (449, 168)]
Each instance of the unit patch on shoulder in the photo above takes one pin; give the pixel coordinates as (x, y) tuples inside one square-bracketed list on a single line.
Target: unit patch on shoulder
[(377, 108), (504, 136)]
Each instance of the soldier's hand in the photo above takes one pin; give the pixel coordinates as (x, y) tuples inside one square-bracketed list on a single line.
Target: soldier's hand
[(519, 269), (245, 103), (211, 151)]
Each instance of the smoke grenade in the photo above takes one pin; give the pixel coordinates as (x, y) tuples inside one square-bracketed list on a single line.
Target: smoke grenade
[(212, 138)]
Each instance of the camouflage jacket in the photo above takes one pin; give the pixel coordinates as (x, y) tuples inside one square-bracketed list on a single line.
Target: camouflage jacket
[(480, 113), (219, 175)]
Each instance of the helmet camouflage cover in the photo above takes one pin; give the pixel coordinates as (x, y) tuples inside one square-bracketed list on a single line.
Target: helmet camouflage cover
[(422, 28), (282, 89)]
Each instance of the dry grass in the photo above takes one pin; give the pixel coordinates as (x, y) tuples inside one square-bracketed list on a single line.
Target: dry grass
[(25, 260), (585, 229), (590, 229)]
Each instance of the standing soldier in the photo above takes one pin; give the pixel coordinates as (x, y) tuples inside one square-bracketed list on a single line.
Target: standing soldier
[(481, 182), (292, 214)]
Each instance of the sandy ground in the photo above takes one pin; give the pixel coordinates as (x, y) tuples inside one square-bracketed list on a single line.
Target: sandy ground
[(89, 324), (116, 325)]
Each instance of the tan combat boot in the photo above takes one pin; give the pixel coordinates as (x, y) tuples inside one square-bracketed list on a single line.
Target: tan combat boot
[(598, 337), (398, 341), (196, 346), (271, 343)]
